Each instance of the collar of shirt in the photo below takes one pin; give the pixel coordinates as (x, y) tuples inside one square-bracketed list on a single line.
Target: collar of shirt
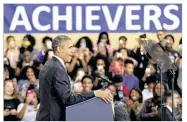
[(61, 61), (170, 109)]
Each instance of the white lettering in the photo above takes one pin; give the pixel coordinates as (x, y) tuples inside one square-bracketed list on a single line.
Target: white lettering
[(67, 18), (172, 17), (79, 18), (154, 18), (112, 25), (90, 17), (130, 17), (35, 18), (20, 12)]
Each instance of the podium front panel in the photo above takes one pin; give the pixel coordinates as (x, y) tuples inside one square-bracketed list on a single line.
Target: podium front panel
[(93, 109)]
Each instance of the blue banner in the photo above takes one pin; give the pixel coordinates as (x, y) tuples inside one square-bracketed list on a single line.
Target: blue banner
[(92, 18)]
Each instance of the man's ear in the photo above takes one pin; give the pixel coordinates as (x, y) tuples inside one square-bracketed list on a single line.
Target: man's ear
[(59, 49)]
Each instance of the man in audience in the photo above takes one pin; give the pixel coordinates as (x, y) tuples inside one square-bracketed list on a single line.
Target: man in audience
[(87, 83), (166, 113), (129, 79)]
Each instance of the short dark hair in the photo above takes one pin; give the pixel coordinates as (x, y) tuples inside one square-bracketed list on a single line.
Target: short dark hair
[(169, 95), (46, 38), (31, 39), (160, 30), (151, 79), (170, 36), (143, 36), (87, 76), (123, 38), (128, 62), (58, 40), (9, 37)]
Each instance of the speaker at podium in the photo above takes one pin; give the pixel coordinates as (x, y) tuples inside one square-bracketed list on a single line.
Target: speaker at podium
[(93, 109)]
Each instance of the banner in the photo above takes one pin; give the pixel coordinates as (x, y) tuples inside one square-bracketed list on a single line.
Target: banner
[(92, 18)]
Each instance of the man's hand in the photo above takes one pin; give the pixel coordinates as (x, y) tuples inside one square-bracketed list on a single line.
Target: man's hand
[(104, 95)]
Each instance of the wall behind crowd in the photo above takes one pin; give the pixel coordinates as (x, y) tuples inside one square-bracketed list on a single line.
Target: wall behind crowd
[(94, 36)]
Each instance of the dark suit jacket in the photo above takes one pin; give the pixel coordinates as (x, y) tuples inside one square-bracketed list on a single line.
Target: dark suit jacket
[(165, 115), (55, 93)]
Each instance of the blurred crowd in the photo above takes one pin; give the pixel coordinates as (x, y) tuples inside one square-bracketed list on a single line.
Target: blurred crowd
[(139, 94)]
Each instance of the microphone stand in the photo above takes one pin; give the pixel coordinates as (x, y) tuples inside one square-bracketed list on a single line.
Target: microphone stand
[(173, 78)]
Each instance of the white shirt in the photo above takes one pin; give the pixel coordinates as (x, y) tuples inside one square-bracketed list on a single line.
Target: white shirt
[(30, 113), (147, 94), (170, 109), (61, 61)]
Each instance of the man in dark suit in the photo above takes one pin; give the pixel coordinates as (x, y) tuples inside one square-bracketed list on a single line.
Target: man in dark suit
[(55, 93), (165, 112)]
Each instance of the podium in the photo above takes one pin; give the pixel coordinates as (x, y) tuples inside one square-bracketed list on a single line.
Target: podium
[(93, 109)]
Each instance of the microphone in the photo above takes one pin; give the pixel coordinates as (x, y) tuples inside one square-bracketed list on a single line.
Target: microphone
[(97, 74)]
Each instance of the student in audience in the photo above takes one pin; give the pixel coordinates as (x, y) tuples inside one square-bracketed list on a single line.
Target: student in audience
[(9, 72), (48, 55), (117, 67), (148, 92), (141, 57), (27, 111), (27, 61), (150, 108), (151, 70), (122, 42), (87, 83), (166, 113), (11, 101), (28, 43), (85, 42), (103, 45), (129, 79), (174, 57), (123, 53), (12, 51), (135, 106), (160, 35), (31, 79), (77, 87), (47, 44), (76, 63)]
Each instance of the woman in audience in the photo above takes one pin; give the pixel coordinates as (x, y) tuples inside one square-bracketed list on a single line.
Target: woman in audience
[(85, 42), (135, 104), (148, 92), (27, 61), (12, 51), (87, 83), (31, 79), (78, 61), (150, 108), (28, 43), (11, 101), (27, 111), (8, 70), (151, 70), (103, 45)]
